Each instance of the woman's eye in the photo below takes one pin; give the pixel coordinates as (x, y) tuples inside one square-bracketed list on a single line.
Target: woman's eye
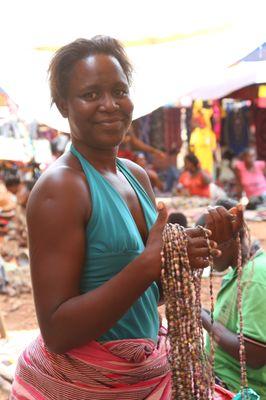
[(90, 95), (121, 92)]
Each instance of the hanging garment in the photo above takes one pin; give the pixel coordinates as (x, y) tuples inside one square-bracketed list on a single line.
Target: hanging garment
[(259, 115), (203, 144), (236, 128), (172, 131), (216, 119), (157, 129)]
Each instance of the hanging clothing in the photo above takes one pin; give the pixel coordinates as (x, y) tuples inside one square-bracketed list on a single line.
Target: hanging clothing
[(203, 144), (143, 127), (216, 119), (236, 128), (172, 131), (259, 115), (157, 129)]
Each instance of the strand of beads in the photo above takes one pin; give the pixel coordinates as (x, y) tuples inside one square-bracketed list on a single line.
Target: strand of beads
[(242, 353), (191, 378), (211, 335)]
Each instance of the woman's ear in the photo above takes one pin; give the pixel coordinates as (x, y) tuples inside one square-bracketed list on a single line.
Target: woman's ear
[(62, 107)]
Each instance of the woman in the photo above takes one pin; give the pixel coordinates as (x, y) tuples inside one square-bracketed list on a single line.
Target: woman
[(95, 241), (193, 179), (225, 330), (251, 175)]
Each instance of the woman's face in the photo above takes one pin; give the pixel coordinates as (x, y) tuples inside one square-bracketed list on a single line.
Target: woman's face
[(98, 105), (189, 166), (250, 158)]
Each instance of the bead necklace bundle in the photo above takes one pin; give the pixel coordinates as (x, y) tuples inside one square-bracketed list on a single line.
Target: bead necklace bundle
[(192, 377), (192, 370)]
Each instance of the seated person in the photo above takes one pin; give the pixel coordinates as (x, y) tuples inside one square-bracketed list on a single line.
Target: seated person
[(152, 174), (226, 326), (193, 181), (225, 176), (250, 175)]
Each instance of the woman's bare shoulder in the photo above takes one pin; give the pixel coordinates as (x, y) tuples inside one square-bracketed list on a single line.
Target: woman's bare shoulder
[(63, 182)]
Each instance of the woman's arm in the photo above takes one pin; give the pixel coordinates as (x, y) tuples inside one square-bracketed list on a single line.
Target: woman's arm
[(229, 342), (57, 218)]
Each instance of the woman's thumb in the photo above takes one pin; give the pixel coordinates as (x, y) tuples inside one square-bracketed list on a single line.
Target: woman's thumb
[(162, 213)]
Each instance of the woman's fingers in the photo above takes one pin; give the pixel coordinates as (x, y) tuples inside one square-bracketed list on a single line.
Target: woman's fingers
[(238, 217), (197, 232), (200, 262), (203, 251), (201, 242), (220, 222)]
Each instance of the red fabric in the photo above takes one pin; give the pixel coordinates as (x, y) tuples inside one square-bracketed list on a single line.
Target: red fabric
[(194, 184), (222, 394), (126, 154)]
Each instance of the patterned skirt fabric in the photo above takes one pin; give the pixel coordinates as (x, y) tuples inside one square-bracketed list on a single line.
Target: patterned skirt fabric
[(125, 369)]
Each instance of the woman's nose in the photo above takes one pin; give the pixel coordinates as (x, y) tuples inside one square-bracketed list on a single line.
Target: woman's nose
[(108, 103)]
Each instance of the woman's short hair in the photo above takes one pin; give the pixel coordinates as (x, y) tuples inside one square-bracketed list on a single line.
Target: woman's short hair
[(67, 56), (177, 218), (193, 159)]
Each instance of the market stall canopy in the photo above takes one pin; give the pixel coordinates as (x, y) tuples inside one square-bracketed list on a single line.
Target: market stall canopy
[(177, 48)]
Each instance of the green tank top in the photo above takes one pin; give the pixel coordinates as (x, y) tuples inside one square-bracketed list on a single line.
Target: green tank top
[(112, 242)]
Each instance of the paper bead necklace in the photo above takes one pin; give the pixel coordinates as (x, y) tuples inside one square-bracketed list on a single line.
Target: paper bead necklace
[(192, 370)]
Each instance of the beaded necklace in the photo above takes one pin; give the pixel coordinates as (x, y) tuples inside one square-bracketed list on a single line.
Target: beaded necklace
[(192, 371)]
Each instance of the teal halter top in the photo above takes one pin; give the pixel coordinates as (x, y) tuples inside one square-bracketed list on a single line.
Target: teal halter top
[(112, 242)]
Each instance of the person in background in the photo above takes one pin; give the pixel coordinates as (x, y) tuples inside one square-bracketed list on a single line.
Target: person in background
[(203, 141), (95, 240), (152, 174), (225, 173), (193, 181), (177, 218), (132, 143), (171, 173), (226, 326), (250, 175), (12, 183)]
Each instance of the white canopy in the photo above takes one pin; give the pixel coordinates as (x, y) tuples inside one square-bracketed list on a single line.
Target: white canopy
[(178, 49)]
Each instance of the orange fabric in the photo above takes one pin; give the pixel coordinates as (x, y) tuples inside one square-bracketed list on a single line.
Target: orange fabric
[(194, 184)]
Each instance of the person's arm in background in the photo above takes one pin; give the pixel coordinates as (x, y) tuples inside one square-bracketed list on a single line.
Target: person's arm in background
[(139, 145), (206, 179), (229, 342), (239, 187), (264, 168)]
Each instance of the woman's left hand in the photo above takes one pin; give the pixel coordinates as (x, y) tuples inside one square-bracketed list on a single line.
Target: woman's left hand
[(199, 249), (224, 224)]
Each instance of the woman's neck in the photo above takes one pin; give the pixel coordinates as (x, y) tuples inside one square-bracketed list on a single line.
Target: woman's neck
[(101, 159)]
